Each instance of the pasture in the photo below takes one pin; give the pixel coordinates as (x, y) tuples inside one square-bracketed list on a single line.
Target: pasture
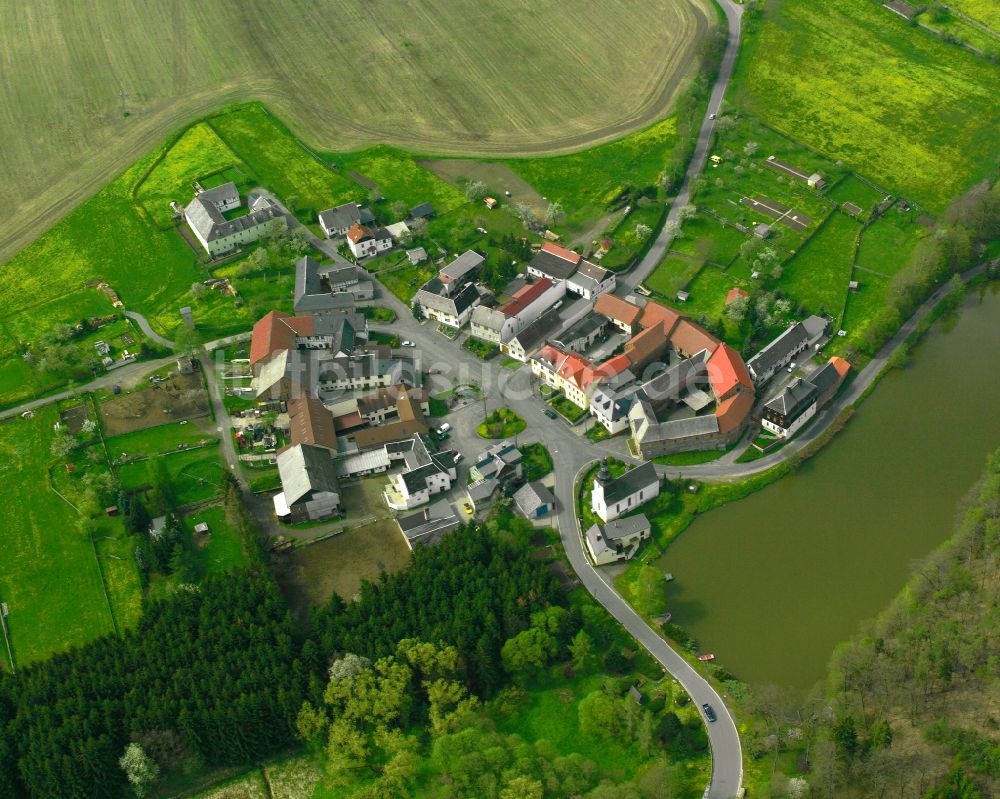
[(194, 474), (673, 274), (985, 11), (455, 77), (916, 114), (817, 277), (401, 178), (50, 577), (888, 243)]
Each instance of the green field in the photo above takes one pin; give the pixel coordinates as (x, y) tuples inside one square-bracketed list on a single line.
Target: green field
[(862, 305), (156, 440), (49, 575), (854, 190), (888, 243), (956, 27), (398, 176), (708, 293), (855, 81), (984, 11), (193, 474), (280, 163), (817, 277), (197, 153), (587, 181), (706, 238), (672, 275)]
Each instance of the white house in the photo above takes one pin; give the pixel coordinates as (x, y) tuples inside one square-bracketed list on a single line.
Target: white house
[(447, 303), (337, 221), (527, 304), (554, 262), (218, 235), (424, 475), (365, 242), (591, 281), (618, 540), (791, 409), (613, 497)]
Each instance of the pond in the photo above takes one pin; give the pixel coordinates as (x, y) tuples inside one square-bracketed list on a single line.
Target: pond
[(772, 583)]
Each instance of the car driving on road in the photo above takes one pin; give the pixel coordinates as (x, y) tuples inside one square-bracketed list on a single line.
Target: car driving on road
[(709, 713)]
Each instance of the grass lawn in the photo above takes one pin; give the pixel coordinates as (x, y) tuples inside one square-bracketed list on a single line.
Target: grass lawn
[(854, 190), (984, 11), (817, 277), (481, 349), (282, 165), (708, 239), (537, 461), (707, 293), (568, 409), (49, 575), (378, 313), (862, 305), (223, 549), (963, 30), (673, 274), (404, 280), (399, 177), (156, 440), (194, 474), (501, 423), (888, 243), (689, 458), (198, 152), (853, 80), (263, 478), (587, 181)]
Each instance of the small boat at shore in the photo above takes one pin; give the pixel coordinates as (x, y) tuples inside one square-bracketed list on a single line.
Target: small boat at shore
[(706, 657)]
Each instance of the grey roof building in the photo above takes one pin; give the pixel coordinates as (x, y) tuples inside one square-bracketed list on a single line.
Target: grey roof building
[(417, 255), (309, 484), (316, 285), (336, 221), (618, 539), (534, 500), (780, 352), (552, 266), (445, 300), (217, 235), (427, 526), (422, 211), (501, 461), (468, 262)]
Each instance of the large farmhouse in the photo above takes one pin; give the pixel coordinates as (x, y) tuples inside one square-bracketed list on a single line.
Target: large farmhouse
[(205, 215)]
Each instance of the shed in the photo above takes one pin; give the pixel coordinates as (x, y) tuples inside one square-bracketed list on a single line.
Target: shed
[(417, 255), (853, 285), (422, 211), (683, 296), (490, 202), (636, 694), (201, 528), (112, 511)]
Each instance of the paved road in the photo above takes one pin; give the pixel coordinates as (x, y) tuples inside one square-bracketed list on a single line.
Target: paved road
[(734, 15), (146, 328)]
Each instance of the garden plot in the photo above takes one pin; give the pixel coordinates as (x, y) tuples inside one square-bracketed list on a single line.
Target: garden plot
[(179, 397)]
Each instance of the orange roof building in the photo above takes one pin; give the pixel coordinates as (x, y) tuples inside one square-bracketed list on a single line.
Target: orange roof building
[(624, 314), (689, 339), (734, 294), (311, 423), (733, 412), (655, 313), (727, 373), (277, 331)]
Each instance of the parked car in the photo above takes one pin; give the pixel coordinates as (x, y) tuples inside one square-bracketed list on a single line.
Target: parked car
[(709, 713), (432, 371), (791, 367), (457, 455), (408, 344), (551, 413), (444, 428)]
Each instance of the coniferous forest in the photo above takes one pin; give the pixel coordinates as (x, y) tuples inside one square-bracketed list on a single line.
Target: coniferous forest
[(221, 670)]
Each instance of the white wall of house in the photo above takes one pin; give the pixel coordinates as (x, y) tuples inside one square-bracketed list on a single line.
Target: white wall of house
[(363, 248), (794, 427), (609, 512)]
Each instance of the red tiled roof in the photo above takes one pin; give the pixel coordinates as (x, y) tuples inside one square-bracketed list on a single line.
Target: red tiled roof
[(734, 294), (727, 372), (574, 369), (842, 366), (654, 313), (732, 412), (646, 344), (358, 232), (270, 334), (525, 297), (561, 252), (550, 354), (689, 339), (348, 421), (618, 309), (609, 368)]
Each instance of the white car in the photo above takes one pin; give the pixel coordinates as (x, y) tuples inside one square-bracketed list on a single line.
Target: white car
[(711, 116), (458, 455), (444, 428), (408, 344), (791, 367)]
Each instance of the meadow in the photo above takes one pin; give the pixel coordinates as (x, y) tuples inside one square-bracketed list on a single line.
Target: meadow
[(50, 577), (433, 76), (817, 276), (888, 243), (853, 80), (984, 11), (194, 474), (400, 177)]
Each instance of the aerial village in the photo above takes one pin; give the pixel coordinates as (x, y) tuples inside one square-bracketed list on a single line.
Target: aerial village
[(348, 404)]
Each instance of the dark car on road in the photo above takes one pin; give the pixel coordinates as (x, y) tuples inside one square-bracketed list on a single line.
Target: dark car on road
[(551, 413), (709, 713)]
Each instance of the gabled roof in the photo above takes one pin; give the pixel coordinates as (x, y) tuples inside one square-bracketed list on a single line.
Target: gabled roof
[(688, 338), (646, 345), (531, 496), (435, 294), (593, 271), (778, 350), (575, 369), (630, 483), (555, 261), (227, 192), (734, 294), (525, 297), (796, 398), (342, 216), (357, 233), (311, 423), (622, 528), (428, 525), (277, 331), (490, 318), (304, 470), (208, 220), (616, 308), (422, 210), (538, 331), (654, 313), (733, 412), (727, 372)]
